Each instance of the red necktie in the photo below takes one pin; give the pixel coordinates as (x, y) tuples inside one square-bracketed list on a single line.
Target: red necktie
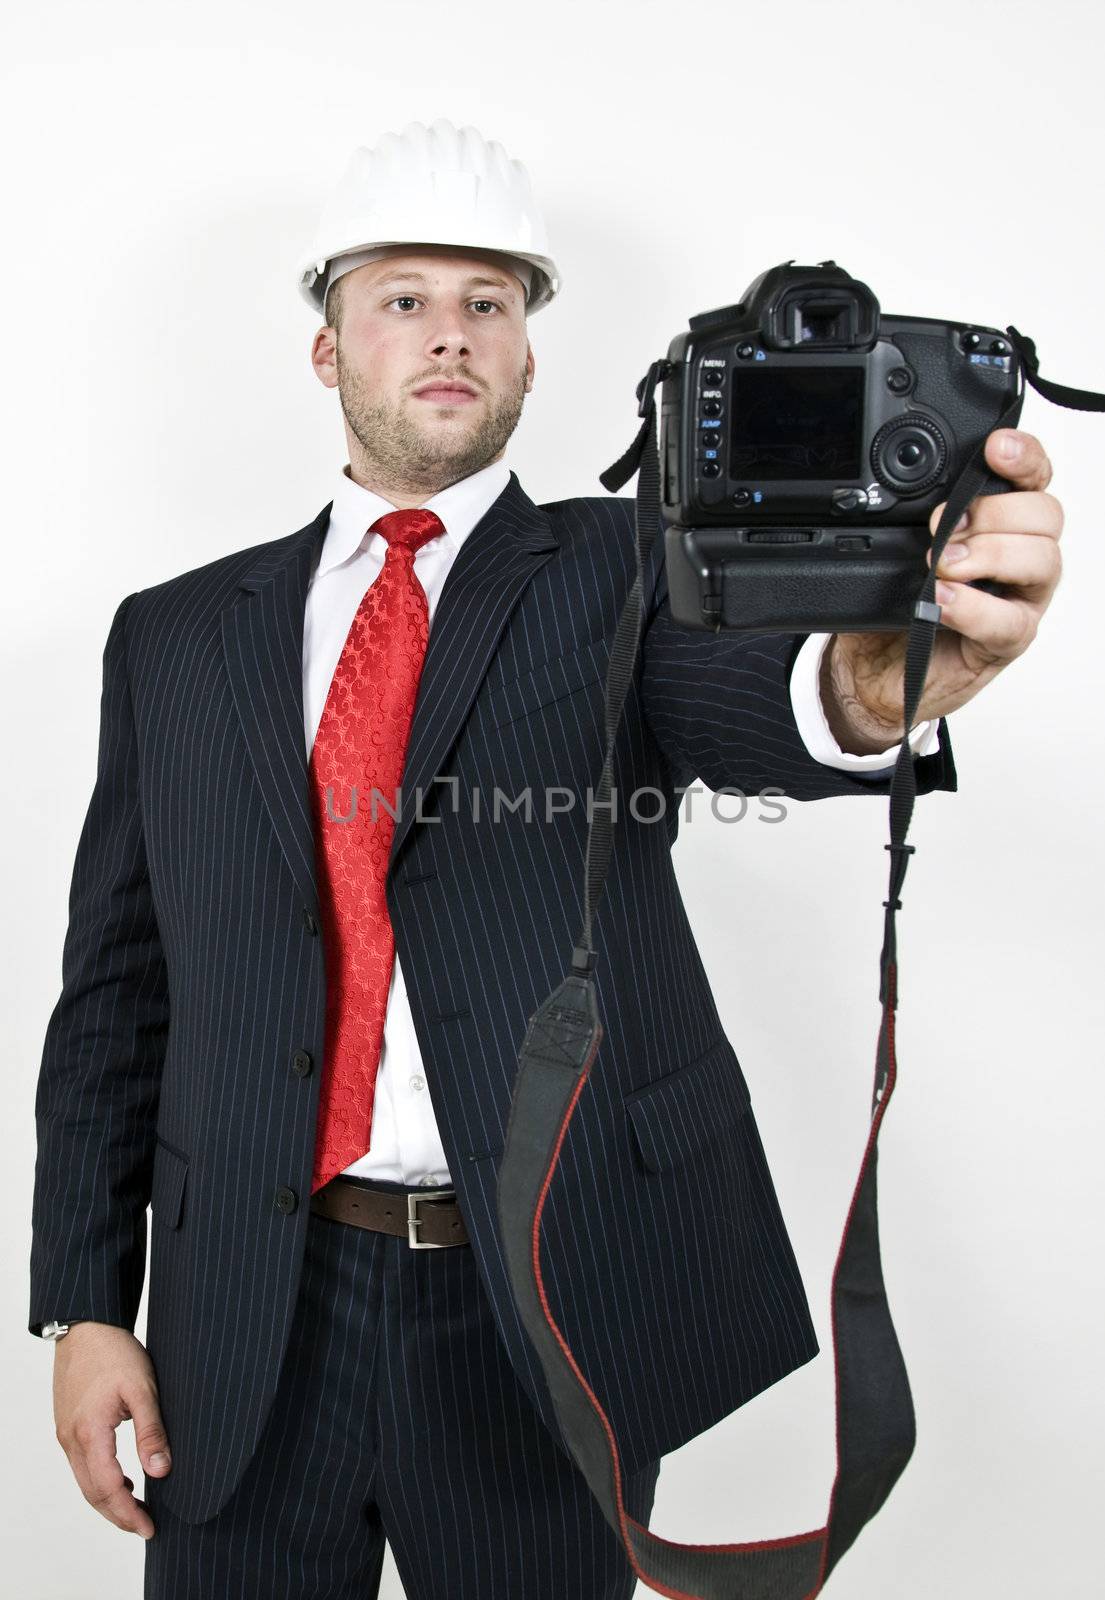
[(360, 746)]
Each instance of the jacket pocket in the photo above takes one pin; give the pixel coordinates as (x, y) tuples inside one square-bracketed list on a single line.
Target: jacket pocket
[(170, 1168), (674, 1116), (553, 680)]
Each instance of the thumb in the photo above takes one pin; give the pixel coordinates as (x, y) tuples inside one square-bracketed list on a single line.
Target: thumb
[(149, 1433)]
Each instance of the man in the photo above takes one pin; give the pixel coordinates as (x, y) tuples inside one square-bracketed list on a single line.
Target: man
[(285, 1020)]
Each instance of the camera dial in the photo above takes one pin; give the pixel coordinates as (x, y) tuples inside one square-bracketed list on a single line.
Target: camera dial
[(908, 454)]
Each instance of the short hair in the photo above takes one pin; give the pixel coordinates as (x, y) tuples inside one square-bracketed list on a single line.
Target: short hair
[(333, 304)]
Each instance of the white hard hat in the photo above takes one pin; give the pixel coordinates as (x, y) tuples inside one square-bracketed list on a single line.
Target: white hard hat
[(431, 185)]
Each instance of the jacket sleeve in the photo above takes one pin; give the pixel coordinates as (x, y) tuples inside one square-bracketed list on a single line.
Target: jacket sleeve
[(96, 1100), (719, 708)]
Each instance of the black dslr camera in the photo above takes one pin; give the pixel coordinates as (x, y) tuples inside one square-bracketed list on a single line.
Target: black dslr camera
[(805, 440)]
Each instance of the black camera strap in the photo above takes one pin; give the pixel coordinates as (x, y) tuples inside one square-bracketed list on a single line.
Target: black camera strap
[(875, 1430)]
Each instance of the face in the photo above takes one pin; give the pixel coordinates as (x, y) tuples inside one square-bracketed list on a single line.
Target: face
[(421, 315)]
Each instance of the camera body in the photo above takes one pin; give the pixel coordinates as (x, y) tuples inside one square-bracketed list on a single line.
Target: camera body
[(805, 440)]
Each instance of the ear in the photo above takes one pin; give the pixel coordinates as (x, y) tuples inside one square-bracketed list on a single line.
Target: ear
[(324, 357)]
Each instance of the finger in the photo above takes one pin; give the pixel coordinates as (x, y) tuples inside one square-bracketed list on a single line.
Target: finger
[(1028, 562), (103, 1485), (1021, 511), (1001, 627), (1028, 466), (149, 1430), (121, 1515)]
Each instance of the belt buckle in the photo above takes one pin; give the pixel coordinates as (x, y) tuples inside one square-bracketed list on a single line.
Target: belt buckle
[(413, 1219)]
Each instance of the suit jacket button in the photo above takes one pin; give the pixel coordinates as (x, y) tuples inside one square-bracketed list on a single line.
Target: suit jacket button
[(301, 1063), (309, 922), (286, 1199)]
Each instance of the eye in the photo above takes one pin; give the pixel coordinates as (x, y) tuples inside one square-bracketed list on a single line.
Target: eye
[(414, 298)]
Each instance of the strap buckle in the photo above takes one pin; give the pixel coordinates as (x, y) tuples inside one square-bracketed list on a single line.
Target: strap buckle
[(657, 372), (414, 1220)]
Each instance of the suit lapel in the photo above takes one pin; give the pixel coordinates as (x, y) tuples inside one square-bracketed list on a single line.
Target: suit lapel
[(262, 630), (501, 555)]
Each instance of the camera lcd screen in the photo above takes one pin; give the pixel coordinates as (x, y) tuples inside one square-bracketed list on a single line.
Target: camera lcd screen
[(801, 423)]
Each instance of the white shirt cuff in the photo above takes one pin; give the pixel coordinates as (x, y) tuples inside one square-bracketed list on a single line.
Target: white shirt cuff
[(809, 714)]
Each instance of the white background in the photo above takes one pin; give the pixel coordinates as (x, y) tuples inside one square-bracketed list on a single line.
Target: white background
[(164, 170)]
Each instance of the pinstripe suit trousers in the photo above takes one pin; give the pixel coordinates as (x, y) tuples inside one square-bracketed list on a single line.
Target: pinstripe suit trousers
[(397, 1417)]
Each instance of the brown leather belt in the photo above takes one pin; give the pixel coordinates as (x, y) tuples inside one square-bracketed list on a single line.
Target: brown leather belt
[(424, 1217)]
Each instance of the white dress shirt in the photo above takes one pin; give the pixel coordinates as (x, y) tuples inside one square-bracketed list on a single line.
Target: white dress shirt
[(405, 1142)]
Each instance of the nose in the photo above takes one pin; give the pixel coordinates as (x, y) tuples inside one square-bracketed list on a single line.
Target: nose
[(442, 345), (446, 333)]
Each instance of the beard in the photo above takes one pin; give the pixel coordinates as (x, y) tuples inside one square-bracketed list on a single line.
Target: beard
[(409, 456)]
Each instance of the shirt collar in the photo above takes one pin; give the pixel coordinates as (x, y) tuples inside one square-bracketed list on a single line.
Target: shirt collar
[(355, 509)]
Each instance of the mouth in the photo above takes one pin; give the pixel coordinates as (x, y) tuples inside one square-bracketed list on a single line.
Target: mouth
[(446, 394)]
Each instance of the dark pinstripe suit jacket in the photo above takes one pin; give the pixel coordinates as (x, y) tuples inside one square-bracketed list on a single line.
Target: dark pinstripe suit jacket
[(193, 973)]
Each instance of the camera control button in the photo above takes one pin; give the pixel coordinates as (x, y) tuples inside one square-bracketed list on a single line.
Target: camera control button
[(899, 380), (742, 497), (746, 351), (711, 408), (710, 469), (849, 499)]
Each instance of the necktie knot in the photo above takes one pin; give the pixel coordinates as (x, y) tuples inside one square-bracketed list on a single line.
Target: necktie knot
[(408, 530)]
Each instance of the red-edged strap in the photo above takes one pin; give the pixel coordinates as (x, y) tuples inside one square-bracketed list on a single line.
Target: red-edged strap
[(875, 1429)]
